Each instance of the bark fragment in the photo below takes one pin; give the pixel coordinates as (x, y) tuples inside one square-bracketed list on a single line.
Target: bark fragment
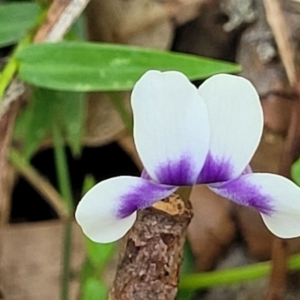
[(152, 252)]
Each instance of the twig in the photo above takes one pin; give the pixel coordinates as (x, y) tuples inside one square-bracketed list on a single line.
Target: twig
[(286, 50), (277, 281), (152, 252), (63, 17), (10, 106), (41, 184), (282, 37)]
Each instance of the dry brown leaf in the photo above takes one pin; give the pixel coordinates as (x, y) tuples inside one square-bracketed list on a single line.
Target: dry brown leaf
[(103, 123), (212, 227), (119, 21), (259, 239), (112, 21), (260, 62), (32, 273)]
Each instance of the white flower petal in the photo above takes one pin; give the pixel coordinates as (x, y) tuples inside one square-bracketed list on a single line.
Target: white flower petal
[(108, 210), (171, 128), (236, 123), (285, 221), (277, 199)]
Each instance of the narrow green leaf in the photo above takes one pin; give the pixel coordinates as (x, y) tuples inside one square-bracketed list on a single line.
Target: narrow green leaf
[(81, 66), (232, 276), (48, 107), (72, 114), (33, 124), (15, 20), (224, 277)]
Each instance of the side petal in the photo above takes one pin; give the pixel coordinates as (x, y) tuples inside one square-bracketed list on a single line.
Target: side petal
[(274, 196), (108, 210), (171, 128), (236, 122)]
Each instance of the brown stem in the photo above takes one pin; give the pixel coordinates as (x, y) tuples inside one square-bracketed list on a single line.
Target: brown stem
[(152, 252), (280, 248), (6, 181), (40, 183), (286, 50), (279, 270), (292, 143), (282, 37)]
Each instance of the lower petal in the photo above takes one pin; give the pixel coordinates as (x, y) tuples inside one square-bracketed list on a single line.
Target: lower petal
[(108, 210), (274, 196)]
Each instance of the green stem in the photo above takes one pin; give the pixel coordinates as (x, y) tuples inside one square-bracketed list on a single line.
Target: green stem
[(61, 163), (66, 191), (11, 67), (235, 275)]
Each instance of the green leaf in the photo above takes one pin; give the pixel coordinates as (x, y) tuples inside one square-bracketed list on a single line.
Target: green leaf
[(72, 113), (296, 172), (81, 66), (15, 20), (46, 108), (94, 290)]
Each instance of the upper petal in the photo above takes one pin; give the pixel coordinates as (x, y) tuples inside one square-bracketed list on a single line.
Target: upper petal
[(277, 199), (236, 123), (171, 128), (108, 210)]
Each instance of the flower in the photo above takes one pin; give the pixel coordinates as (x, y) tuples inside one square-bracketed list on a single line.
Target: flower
[(187, 136)]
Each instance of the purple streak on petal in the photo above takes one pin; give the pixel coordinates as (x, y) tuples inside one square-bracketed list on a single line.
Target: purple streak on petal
[(248, 170), (179, 173), (143, 196), (145, 175), (215, 170), (245, 193)]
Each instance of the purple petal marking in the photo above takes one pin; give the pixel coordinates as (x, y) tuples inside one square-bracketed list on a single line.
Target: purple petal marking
[(143, 196), (248, 170), (179, 173), (145, 175), (215, 170), (245, 193)]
